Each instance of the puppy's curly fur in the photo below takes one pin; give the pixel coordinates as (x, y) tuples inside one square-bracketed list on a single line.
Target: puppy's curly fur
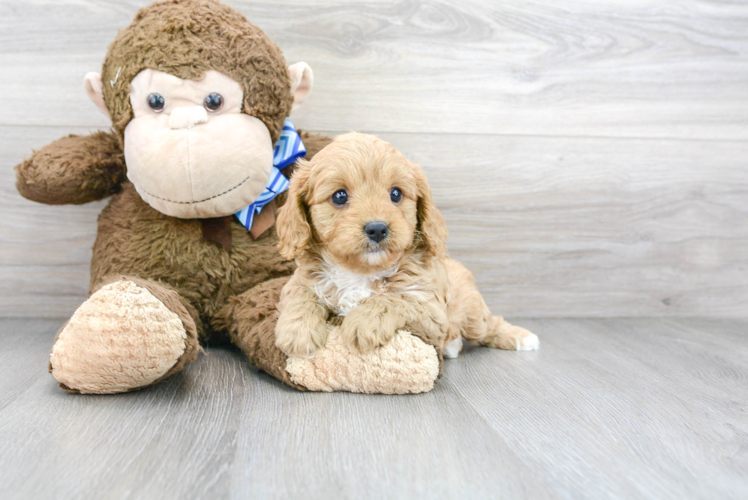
[(405, 281)]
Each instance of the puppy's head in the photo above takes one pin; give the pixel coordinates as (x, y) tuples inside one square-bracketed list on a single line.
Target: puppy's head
[(363, 204)]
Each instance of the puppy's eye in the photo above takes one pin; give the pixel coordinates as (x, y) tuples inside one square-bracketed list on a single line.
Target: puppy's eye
[(156, 102), (339, 198), (396, 195), (213, 102)]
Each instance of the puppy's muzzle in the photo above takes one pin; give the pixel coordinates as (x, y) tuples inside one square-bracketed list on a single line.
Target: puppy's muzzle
[(376, 230)]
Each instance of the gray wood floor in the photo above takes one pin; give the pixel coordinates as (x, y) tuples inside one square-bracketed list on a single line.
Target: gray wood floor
[(608, 408)]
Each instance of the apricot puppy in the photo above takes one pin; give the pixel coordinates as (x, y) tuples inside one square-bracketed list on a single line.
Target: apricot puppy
[(371, 248)]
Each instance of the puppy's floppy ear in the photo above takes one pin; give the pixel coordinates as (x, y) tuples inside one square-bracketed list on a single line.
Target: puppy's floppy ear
[(294, 230), (431, 225)]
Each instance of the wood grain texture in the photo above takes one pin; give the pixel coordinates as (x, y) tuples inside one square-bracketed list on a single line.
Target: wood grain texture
[(644, 68), (590, 157), (549, 226), (606, 408)]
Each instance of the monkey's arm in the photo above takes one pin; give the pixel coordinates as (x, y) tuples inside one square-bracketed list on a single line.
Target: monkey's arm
[(75, 169)]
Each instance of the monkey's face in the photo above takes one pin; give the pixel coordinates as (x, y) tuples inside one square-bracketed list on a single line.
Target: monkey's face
[(190, 151)]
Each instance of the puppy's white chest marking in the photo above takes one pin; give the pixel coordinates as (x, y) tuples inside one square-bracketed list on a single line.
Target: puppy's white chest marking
[(341, 290), (342, 293)]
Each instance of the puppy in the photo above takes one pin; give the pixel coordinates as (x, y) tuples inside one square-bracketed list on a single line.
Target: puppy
[(371, 248)]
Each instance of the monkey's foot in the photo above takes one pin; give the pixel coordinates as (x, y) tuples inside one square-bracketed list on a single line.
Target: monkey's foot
[(404, 365), (122, 338)]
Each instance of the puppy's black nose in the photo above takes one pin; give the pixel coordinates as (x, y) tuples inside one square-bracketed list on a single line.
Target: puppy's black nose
[(376, 230)]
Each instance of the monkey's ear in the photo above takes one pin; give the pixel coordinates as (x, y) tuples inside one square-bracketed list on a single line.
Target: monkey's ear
[(92, 84), (302, 79)]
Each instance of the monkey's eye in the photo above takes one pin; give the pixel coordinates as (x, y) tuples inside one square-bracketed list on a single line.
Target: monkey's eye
[(339, 198), (213, 102), (396, 195), (156, 102)]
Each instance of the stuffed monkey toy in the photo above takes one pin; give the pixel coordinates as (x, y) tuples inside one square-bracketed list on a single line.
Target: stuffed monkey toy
[(199, 99)]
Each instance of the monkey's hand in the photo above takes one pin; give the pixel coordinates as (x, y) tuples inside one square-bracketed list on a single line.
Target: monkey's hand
[(74, 169)]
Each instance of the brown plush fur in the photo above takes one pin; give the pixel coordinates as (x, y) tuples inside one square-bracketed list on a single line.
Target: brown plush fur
[(194, 278), (406, 281), (197, 279), (74, 169), (186, 38), (250, 320), (136, 240)]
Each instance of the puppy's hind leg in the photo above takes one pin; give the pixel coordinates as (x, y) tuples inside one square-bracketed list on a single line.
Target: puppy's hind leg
[(452, 348), (477, 324), (503, 335)]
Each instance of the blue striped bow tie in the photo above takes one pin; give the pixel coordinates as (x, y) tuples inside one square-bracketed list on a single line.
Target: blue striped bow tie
[(288, 149)]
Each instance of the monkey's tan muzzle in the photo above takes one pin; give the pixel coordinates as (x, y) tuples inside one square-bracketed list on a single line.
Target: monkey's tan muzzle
[(191, 170), (187, 117)]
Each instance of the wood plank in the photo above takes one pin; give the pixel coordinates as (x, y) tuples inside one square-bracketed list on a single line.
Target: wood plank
[(550, 227), (357, 446), (45, 251), (220, 428), (607, 408), (25, 356), (618, 69), (175, 439), (634, 408), (594, 227)]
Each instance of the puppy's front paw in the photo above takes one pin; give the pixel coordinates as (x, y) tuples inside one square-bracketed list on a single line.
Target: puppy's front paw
[(300, 338), (364, 332)]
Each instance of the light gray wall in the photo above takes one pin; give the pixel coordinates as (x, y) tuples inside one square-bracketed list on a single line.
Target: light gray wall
[(590, 157)]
